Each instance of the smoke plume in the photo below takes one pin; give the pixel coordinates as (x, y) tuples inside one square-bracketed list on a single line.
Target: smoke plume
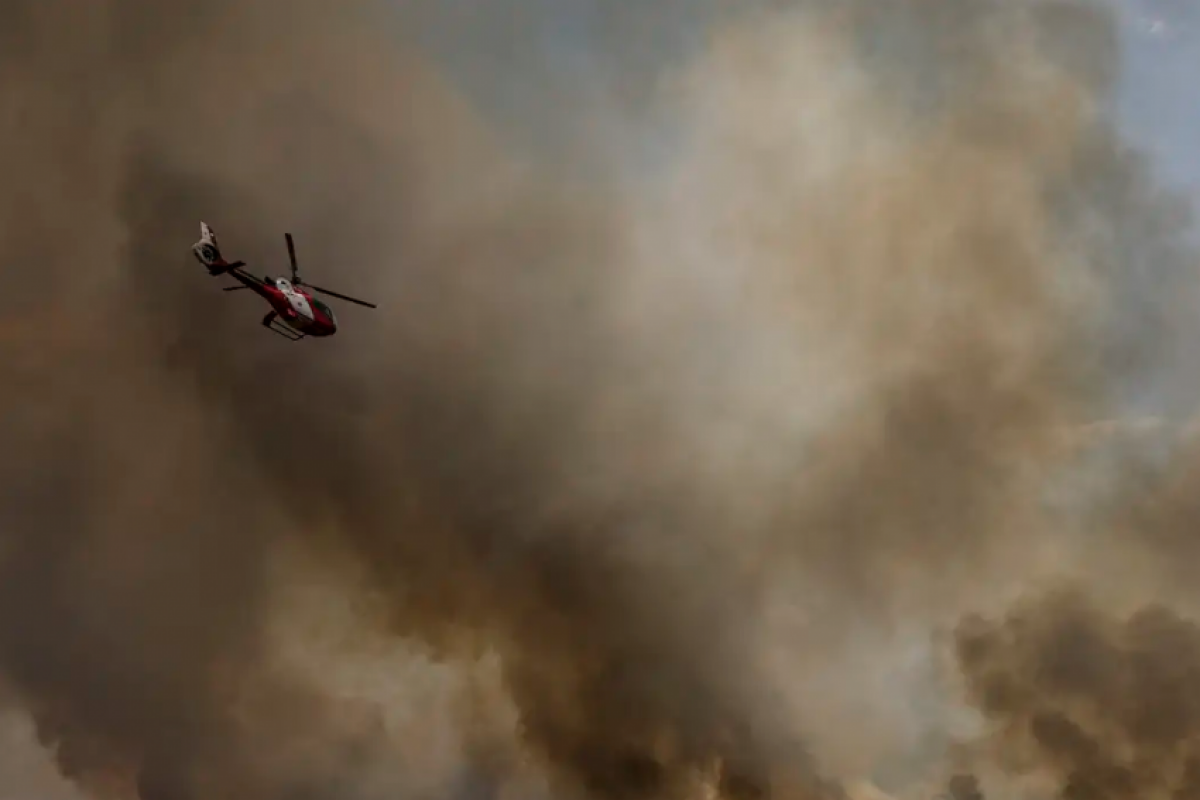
[(1102, 703), (636, 478)]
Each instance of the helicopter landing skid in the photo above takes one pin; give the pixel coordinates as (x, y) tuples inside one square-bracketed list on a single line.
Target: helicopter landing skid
[(275, 326)]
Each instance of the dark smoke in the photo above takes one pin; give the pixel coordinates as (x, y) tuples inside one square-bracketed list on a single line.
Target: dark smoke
[(136, 596), (1106, 703), (592, 429), (964, 787)]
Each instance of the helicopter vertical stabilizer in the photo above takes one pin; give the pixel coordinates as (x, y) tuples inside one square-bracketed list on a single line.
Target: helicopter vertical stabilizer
[(208, 252)]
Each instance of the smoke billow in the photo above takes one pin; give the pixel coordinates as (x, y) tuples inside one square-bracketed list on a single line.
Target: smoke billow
[(622, 470), (1102, 703)]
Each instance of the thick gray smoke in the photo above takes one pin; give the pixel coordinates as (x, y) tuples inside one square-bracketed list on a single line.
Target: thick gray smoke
[(619, 471)]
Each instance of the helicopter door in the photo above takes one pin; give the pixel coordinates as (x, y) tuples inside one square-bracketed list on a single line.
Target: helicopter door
[(298, 302)]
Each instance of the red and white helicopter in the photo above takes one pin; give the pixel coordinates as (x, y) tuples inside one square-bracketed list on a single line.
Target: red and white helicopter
[(295, 313)]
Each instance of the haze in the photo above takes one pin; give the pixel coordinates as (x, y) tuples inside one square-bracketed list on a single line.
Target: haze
[(781, 401)]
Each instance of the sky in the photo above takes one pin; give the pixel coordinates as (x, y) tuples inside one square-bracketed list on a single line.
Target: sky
[(538, 66), (564, 65), (1158, 105), (566, 57), (697, 449)]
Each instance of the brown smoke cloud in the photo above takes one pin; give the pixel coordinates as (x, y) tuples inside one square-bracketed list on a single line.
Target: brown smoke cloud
[(619, 473), (1101, 704)]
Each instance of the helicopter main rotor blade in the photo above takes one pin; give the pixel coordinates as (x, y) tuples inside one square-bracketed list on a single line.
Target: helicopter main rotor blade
[(235, 288), (292, 255), (341, 296)]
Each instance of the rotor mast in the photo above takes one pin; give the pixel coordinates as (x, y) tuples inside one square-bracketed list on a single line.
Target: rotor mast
[(296, 281)]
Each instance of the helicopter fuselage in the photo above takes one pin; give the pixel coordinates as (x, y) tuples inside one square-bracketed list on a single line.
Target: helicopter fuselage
[(293, 306)]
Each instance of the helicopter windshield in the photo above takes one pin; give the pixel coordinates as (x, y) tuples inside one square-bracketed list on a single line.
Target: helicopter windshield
[(324, 309)]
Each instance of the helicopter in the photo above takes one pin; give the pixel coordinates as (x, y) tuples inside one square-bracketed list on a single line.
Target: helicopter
[(295, 313)]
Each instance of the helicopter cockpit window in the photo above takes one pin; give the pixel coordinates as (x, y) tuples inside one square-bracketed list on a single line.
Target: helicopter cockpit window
[(324, 309)]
